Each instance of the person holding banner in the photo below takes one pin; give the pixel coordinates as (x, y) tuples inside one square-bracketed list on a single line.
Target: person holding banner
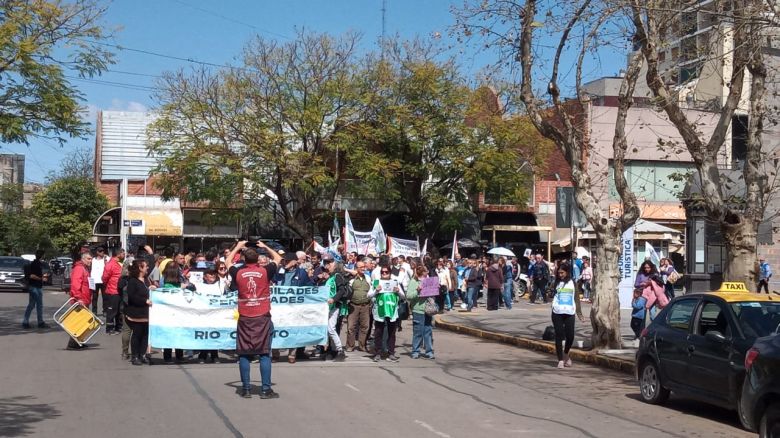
[(137, 312), (386, 295), (255, 328), (337, 303), (422, 323), (291, 274)]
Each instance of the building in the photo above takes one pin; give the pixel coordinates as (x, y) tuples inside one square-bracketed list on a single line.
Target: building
[(11, 169), (138, 214)]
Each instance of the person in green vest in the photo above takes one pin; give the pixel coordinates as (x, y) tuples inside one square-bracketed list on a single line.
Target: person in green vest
[(337, 305), (386, 295), (422, 324)]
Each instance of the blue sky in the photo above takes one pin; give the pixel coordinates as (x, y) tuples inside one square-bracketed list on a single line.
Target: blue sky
[(215, 32)]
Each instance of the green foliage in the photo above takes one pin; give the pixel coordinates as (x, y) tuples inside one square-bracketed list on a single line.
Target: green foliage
[(40, 41), (11, 197), (18, 233), (260, 131), (66, 210)]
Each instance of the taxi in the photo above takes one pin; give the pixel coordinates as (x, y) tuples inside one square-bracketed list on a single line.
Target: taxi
[(696, 346)]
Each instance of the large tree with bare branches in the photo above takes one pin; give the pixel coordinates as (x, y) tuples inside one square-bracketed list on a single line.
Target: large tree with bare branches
[(523, 30)]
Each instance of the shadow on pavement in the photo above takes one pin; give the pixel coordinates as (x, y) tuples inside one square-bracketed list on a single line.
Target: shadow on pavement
[(18, 414), (699, 409), (11, 322)]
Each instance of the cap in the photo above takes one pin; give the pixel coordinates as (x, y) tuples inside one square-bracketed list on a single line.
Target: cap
[(288, 257)]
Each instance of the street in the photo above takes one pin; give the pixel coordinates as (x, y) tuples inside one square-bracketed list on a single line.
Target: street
[(473, 388)]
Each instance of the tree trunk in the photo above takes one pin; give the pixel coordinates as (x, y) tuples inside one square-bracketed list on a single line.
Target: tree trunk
[(741, 238), (605, 312)]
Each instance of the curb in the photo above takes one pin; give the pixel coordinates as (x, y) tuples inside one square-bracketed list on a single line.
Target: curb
[(622, 365)]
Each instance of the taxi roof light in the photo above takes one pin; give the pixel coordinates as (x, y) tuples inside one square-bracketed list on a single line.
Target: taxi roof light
[(733, 286)]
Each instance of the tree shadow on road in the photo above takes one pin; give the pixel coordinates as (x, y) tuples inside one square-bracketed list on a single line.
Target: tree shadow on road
[(698, 409), (18, 414), (11, 322)]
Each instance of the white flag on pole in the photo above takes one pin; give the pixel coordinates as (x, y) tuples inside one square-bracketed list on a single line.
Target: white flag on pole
[(454, 245), (424, 249), (650, 252)]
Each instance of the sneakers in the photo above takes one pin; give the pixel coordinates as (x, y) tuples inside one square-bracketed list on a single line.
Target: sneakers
[(392, 358), (26, 325), (137, 361), (567, 362), (43, 325), (340, 356), (377, 358), (268, 394), (430, 356), (561, 364), (246, 393), (415, 356)]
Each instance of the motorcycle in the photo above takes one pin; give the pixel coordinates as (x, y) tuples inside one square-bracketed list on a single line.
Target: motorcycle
[(522, 284)]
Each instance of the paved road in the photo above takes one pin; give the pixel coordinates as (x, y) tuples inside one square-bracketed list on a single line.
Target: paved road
[(474, 388)]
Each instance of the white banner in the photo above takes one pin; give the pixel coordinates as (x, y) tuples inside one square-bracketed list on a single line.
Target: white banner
[(626, 266), (406, 248)]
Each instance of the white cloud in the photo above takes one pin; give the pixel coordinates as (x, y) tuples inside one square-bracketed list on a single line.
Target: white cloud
[(124, 105)]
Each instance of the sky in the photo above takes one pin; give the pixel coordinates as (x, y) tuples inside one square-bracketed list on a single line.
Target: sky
[(215, 32)]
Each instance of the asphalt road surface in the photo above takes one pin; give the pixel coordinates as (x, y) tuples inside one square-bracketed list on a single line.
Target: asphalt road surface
[(472, 389)]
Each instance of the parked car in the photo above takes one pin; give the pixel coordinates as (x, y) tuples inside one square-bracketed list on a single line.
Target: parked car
[(696, 346), (760, 401), (12, 274)]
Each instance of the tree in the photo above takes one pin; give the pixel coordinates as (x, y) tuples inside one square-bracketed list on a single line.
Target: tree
[(748, 25), (11, 197), (40, 42), (522, 32), (18, 234), (430, 140), (66, 210), (78, 163), (266, 130)]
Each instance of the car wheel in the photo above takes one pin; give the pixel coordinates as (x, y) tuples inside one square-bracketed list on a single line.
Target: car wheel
[(650, 387), (770, 422)]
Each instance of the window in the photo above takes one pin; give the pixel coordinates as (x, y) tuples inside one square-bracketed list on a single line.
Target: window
[(757, 318), (680, 314), (653, 180), (713, 318)]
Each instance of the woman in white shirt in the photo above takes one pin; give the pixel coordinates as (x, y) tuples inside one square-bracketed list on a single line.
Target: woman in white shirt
[(564, 307)]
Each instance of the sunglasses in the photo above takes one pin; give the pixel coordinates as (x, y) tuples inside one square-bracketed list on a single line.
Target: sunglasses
[(385, 272), (222, 269)]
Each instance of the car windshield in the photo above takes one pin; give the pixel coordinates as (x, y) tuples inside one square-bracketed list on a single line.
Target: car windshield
[(12, 263), (757, 318)]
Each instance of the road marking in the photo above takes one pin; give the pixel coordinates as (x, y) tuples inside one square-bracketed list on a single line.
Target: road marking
[(431, 429), (351, 387)]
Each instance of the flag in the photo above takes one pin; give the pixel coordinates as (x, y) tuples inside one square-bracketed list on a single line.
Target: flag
[(335, 232), (349, 236), (380, 239), (651, 254), (454, 245), (424, 249)]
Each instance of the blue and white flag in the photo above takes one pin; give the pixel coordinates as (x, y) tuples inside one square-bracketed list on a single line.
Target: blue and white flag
[(193, 320)]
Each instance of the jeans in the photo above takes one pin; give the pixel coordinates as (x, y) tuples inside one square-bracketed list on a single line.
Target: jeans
[(265, 371), (586, 289), (669, 290), (763, 284), (539, 289), (507, 293), (473, 294), (422, 332), (564, 328), (36, 300), (333, 318)]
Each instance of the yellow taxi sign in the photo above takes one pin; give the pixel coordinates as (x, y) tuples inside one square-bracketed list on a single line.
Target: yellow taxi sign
[(733, 286)]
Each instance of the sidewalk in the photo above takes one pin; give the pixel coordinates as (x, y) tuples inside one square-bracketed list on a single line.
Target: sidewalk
[(525, 323)]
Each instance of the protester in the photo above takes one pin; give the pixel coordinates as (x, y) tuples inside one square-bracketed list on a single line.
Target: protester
[(651, 284), (587, 278), (111, 299), (422, 323), (96, 275), (255, 328), (494, 277), (359, 309), (79, 288), (210, 277), (764, 275), (336, 306), (638, 314), (506, 269), (667, 270), (564, 308), (223, 276), (453, 292), (291, 274), (540, 276), (474, 280), (34, 278), (443, 299), (137, 312), (385, 313)]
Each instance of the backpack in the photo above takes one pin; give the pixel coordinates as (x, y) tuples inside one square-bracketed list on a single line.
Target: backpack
[(342, 283)]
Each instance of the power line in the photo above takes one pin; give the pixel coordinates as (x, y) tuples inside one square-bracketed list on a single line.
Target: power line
[(232, 20), (124, 85)]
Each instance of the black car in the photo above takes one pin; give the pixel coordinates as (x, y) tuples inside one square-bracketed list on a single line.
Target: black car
[(696, 346), (760, 401), (12, 274)]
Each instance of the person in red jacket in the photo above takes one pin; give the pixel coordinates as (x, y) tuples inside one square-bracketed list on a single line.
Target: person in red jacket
[(79, 288), (111, 298)]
